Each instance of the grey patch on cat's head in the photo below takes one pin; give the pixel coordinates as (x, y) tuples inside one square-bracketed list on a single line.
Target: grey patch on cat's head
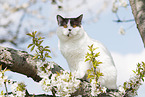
[(61, 21), (73, 21)]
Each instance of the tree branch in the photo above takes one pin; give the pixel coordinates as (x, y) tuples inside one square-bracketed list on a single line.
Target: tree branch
[(138, 10), (32, 95), (21, 62), (125, 21)]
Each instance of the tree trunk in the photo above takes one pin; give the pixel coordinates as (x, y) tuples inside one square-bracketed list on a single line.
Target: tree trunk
[(138, 10)]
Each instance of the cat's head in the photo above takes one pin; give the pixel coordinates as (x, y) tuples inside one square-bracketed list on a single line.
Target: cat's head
[(69, 27)]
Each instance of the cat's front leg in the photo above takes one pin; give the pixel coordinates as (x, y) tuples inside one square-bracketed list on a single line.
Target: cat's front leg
[(82, 69)]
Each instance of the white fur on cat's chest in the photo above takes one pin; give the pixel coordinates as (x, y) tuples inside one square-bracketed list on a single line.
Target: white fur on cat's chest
[(74, 53)]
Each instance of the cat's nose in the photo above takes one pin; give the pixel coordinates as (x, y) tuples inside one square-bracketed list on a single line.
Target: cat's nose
[(69, 29)]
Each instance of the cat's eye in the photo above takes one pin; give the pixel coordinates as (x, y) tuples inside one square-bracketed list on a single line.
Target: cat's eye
[(65, 26), (74, 26)]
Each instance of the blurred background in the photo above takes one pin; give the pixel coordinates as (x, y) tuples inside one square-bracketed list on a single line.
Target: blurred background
[(109, 21)]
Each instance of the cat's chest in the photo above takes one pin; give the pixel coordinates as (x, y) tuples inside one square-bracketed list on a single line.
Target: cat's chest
[(73, 50)]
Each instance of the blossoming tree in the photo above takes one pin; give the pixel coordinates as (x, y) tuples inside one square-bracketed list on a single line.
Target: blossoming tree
[(49, 74)]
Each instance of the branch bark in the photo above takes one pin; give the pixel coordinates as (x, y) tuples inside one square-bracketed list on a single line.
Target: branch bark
[(138, 10), (21, 62)]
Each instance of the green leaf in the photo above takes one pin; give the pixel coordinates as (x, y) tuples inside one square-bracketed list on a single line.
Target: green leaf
[(40, 42), (2, 92), (90, 80), (34, 40), (99, 62), (29, 45), (49, 56), (29, 34), (134, 71), (47, 50), (88, 71), (143, 79), (97, 54), (139, 70), (35, 32), (46, 54), (41, 46), (32, 48), (94, 49), (91, 46), (47, 47), (94, 65), (36, 57), (87, 59), (37, 44), (90, 76), (39, 38)]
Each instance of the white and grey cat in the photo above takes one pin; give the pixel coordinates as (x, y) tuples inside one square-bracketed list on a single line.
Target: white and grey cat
[(73, 44)]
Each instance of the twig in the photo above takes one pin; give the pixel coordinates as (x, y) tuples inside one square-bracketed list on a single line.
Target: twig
[(119, 20), (123, 20), (6, 88), (5, 82), (32, 95), (53, 92), (27, 94)]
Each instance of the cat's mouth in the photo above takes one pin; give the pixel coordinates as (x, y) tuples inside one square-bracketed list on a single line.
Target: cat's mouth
[(69, 34)]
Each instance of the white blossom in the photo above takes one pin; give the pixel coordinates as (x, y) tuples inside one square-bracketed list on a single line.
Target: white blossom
[(117, 4), (1, 82), (94, 90), (121, 90), (46, 84), (11, 95), (1, 74), (43, 74), (13, 87), (20, 93), (25, 5), (134, 79), (104, 89), (51, 64), (6, 6), (123, 3), (115, 7), (44, 68), (43, 0), (18, 89), (39, 63), (3, 78), (66, 84), (63, 83), (122, 31)]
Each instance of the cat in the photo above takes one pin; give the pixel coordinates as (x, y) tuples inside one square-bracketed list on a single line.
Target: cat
[(73, 44)]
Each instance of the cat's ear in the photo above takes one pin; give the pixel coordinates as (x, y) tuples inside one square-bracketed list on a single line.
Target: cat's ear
[(79, 18), (59, 19)]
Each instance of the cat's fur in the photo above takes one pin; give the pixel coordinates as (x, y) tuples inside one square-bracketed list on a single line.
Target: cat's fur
[(73, 44)]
